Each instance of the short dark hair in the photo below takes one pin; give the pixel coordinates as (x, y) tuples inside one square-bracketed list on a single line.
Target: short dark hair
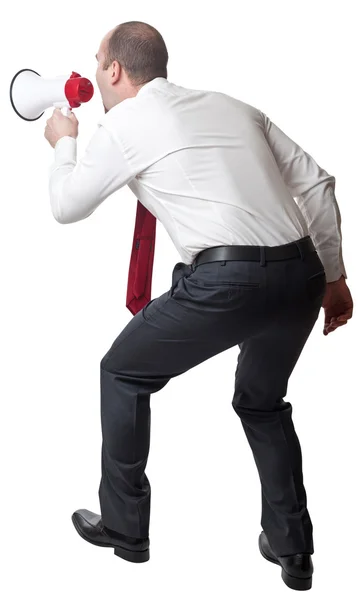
[(140, 50)]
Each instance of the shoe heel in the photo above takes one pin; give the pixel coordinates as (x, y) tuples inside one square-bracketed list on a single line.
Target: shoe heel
[(133, 556), (296, 583)]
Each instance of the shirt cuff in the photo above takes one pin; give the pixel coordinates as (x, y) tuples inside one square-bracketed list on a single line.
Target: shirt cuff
[(66, 150), (332, 261)]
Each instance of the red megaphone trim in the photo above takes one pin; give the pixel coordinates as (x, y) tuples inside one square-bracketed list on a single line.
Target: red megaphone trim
[(78, 90)]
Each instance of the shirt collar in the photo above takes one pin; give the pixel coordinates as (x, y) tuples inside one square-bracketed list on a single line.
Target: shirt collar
[(157, 82)]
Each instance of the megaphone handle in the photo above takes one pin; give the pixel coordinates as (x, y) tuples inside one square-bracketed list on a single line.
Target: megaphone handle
[(65, 111)]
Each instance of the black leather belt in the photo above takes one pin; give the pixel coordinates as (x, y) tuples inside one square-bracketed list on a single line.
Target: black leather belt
[(300, 247)]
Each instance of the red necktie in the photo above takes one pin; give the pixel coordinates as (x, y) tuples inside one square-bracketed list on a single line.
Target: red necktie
[(141, 262)]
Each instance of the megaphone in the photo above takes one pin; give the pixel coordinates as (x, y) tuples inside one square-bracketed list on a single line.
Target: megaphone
[(31, 94)]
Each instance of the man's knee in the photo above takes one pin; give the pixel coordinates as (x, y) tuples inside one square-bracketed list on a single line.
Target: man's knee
[(260, 402), (112, 352), (103, 362)]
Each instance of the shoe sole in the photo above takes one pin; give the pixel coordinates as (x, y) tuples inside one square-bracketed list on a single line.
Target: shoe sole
[(295, 583), (136, 556)]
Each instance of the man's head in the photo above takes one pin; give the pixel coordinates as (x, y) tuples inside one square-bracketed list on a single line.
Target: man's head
[(129, 56)]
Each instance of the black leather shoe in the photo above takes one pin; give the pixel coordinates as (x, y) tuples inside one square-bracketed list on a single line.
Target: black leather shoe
[(90, 527), (296, 570)]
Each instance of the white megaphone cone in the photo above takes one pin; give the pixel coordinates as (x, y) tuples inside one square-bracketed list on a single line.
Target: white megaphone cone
[(31, 94)]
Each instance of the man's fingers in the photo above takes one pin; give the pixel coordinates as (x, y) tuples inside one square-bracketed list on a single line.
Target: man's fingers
[(345, 316), (329, 327), (337, 323)]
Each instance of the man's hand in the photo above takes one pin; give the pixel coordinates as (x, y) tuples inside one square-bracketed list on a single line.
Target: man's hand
[(337, 304), (58, 126)]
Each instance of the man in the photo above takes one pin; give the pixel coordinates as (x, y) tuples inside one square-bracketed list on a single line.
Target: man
[(257, 224)]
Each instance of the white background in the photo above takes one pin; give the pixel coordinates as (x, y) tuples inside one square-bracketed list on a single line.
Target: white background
[(63, 303)]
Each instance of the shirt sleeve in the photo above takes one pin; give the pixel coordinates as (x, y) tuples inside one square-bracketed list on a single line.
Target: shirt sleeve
[(77, 188), (314, 192)]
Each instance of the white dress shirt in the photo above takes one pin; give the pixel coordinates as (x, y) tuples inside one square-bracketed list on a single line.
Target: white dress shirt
[(212, 169)]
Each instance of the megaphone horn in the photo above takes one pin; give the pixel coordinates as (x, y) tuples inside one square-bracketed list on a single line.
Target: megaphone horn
[(31, 94)]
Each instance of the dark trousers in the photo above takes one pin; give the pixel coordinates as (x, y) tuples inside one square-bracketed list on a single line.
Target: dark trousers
[(268, 310)]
